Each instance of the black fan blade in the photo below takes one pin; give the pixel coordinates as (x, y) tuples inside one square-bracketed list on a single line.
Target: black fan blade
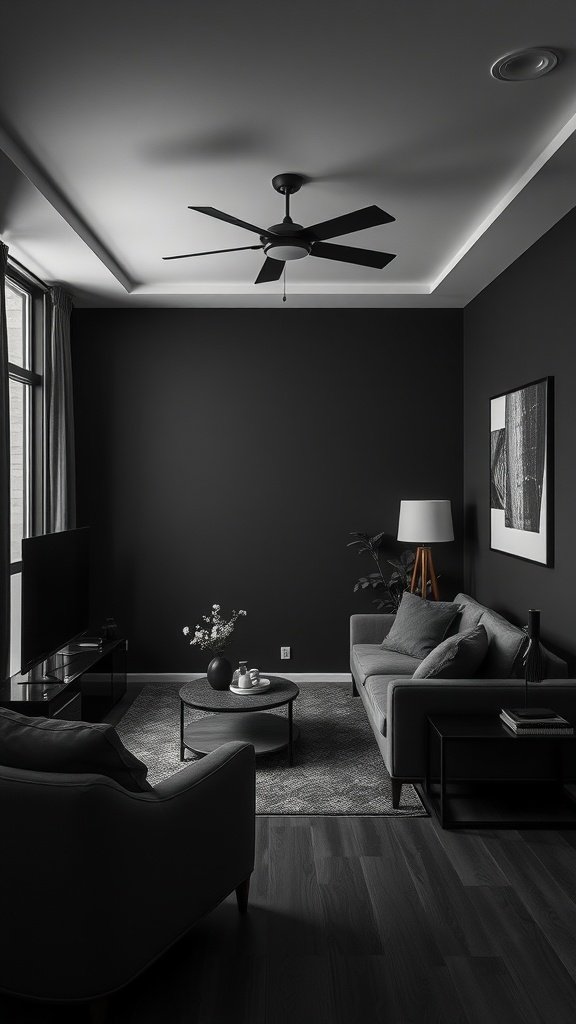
[(211, 252), (369, 217), (347, 254), (211, 212), (271, 271)]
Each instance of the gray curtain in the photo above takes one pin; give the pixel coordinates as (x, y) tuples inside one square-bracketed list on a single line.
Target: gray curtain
[(60, 466), (4, 477)]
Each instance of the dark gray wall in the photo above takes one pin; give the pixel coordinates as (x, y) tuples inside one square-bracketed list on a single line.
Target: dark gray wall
[(519, 329), (225, 456)]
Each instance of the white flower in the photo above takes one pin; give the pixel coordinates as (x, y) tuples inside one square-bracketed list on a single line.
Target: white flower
[(216, 634)]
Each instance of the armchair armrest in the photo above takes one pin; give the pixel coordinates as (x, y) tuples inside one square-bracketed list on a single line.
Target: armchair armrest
[(210, 806), (370, 627), (198, 772)]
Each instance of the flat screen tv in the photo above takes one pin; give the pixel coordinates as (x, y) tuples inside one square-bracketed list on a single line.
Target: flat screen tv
[(55, 593)]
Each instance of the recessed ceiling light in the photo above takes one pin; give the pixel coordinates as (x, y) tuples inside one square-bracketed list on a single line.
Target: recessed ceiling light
[(525, 64)]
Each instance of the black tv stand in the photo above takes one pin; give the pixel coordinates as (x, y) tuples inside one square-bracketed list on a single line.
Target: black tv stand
[(53, 670), (79, 686)]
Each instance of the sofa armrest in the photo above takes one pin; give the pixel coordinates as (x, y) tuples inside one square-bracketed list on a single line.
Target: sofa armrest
[(410, 701), (369, 628), (556, 668)]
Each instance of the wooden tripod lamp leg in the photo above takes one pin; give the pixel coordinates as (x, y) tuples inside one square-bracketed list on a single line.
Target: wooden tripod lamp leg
[(432, 575), (416, 570), (424, 571)]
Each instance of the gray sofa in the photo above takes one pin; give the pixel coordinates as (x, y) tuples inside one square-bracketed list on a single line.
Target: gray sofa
[(397, 705)]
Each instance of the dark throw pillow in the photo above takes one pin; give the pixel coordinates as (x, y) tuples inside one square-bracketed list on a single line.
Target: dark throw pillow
[(459, 656), (54, 745), (419, 625)]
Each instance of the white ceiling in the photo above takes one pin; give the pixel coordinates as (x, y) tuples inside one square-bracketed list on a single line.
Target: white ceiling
[(116, 115)]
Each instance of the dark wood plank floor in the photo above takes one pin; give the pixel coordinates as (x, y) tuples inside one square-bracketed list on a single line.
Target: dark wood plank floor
[(372, 920)]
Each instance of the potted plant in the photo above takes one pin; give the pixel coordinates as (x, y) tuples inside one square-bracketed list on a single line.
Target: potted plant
[(392, 587)]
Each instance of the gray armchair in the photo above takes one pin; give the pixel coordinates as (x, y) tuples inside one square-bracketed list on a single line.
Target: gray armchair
[(98, 881)]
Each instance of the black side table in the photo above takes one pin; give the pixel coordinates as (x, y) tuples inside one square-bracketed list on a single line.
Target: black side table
[(480, 774)]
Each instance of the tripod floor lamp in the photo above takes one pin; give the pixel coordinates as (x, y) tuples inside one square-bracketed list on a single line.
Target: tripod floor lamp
[(424, 523)]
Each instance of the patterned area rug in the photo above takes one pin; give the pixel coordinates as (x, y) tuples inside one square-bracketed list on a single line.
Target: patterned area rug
[(337, 765)]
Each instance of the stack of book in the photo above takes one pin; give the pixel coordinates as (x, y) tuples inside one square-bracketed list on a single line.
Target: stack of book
[(536, 722)]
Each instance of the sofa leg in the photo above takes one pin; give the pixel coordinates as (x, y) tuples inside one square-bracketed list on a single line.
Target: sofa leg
[(242, 891), (354, 688), (396, 793)]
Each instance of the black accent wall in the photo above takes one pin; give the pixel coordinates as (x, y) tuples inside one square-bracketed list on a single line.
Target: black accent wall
[(521, 328), (225, 456)]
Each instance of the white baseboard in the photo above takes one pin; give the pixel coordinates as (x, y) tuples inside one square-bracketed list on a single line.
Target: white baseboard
[(300, 678)]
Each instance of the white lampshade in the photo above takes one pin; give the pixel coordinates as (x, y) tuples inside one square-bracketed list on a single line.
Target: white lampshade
[(425, 522)]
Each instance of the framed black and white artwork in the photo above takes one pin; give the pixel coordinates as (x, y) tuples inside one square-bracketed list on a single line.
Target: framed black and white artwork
[(521, 423)]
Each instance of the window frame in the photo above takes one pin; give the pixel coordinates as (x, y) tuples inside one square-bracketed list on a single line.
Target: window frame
[(37, 326)]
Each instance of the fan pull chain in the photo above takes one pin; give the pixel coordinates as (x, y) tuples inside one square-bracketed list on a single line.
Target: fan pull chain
[(284, 275)]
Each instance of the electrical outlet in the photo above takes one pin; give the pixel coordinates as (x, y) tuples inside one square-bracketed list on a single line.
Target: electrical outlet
[(285, 652)]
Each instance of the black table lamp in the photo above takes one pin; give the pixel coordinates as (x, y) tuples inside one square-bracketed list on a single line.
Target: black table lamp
[(424, 523), (534, 659)]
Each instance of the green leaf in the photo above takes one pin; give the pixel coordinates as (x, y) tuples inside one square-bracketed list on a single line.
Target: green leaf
[(360, 544), (377, 540), (374, 579), (398, 563)]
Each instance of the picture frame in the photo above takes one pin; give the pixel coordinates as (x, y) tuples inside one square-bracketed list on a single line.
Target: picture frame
[(521, 472)]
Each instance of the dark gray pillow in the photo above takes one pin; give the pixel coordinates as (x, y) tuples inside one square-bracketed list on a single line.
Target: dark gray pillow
[(459, 656), (419, 625), (55, 745)]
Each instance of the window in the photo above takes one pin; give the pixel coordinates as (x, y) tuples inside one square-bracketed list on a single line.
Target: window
[(19, 462), (25, 319)]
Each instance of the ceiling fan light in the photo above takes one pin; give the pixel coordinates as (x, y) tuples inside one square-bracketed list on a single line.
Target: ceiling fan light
[(525, 65), (287, 250)]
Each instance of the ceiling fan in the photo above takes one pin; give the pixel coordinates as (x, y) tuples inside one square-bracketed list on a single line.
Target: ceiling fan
[(290, 241)]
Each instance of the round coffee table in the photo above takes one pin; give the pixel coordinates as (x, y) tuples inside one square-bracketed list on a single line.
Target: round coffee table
[(238, 717)]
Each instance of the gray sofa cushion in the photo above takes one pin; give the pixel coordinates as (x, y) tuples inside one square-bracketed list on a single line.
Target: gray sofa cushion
[(419, 625), (459, 656), (54, 745), (376, 688), (470, 615), (506, 643), (371, 660)]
